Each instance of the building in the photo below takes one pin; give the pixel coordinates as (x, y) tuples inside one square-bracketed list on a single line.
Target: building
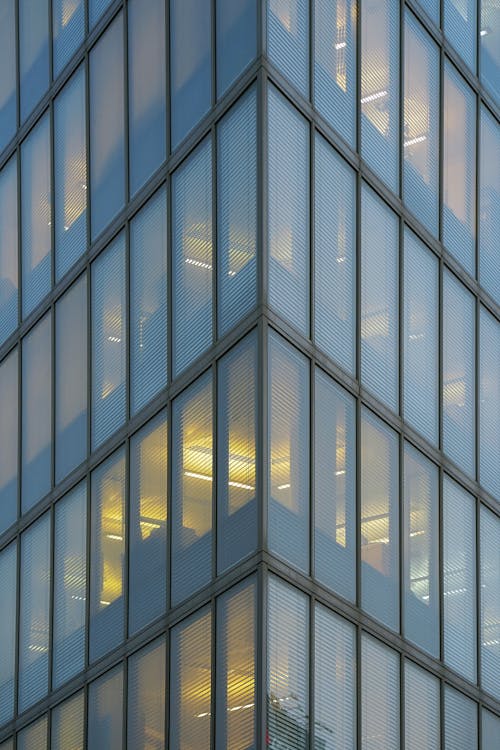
[(249, 374)]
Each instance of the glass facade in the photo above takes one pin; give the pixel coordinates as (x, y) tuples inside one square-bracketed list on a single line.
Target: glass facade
[(249, 375)]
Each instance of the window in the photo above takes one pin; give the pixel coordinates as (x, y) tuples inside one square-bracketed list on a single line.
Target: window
[(490, 726), (288, 40), (236, 34), (67, 726), (8, 627), (34, 736), (8, 88), (107, 127), (460, 26), (146, 697), (9, 434), (107, 551), (489, 200), (192, 489), (380, 696), (190, 65), (422, 702), (288, 211), (33, 52), (68, 30), (192, 256), (460, 721), (236, 454), (288, 482), (335, 487), (490, 52), (379, 520), (489, 402), (105, 711), (490, 601), (9, 282)]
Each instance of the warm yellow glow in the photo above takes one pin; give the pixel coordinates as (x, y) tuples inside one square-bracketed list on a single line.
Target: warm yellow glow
[(112, 530)]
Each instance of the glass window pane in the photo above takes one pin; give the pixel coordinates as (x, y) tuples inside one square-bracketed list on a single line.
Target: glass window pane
[(147, 87), (380, 89), (379, 520), (148, 524), (70, 585), (288, 484), (192, 489), (237, 212), (190, 65), (421, 332), (432, 8), (490, 601), (288, 666), (7, 745), (33, 52), (335, 255), (236, 668), (334, 682), (34, 616), (148, 301), (96, 9), (70, 174), (335, 65), (460, 26), (421, 124), (421, 540), (288, 40), (421, 719), (146, 698), (191, 683), (34, 737), (67, 728), (489, 402), (105, 711), (107, 556), (335, 487), (107, 128), (108, 342), (9, 431), (36, 413), (490, 48), (459, 350), (9, 282), (459, 580), (490, 726), (288, 211), (8, 87), (379, 298), (489, 200), (459, 169), (68, 30), (192, 263), (36, 215), (460, 721), (379, 696), (236, 478), (8, 571), (236, 34), (71, 379)]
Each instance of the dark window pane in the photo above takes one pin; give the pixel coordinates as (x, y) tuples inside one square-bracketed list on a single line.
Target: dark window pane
[(105, 711), (33, 52), (34, 737), (8, 597), (9, 281), (236, 35), (8, 99), (96, 9), (68, 30), (9, 431)]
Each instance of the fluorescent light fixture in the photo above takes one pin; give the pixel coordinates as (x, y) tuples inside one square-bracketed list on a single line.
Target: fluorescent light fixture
[(417, 533), (115, 537), (484, 32), (373, 97), (198, 263), (195, 475), (340, 473), (340, 45), (283, 486), (114, 339), (413, 141), (241, 486), (150, 525)]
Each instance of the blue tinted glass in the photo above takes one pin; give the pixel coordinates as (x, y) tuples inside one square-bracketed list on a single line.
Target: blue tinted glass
[(422, 709), (288, 40), (107, 127), (237, 212), (288, 477), (192, 263), (420, 332), (68, 30), (36, 413), (9, 379), (335, 255), (490, 601), (335, 487), (9, 282), (380, 696), (96, 9), (236, 35), (460, 721), (460, 26), (108, 342), (36, 217), (421, 124), (335, 65), (147, 87), (190, 65), (379, 298), (380, 88), (70, 174), (490, 46), (489, 201), (288, 211), (8, 559), (71, 379), (33, 52), (432, 8), (8, 104), (459, 169), (148, 297), (490, 734), (489, 402)]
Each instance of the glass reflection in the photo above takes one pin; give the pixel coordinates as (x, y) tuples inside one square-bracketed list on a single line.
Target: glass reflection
[(146, 698), (9, 280), (9, 427), (8, 99), (67, 727), (490, 45)]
